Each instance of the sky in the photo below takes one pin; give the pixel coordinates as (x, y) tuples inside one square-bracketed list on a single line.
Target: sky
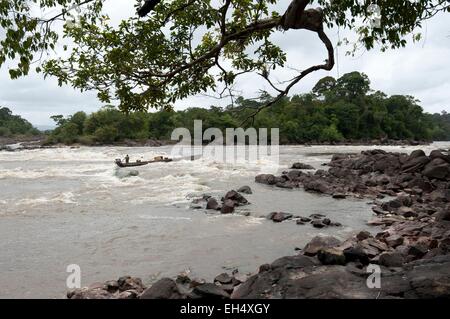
[(420, 70)]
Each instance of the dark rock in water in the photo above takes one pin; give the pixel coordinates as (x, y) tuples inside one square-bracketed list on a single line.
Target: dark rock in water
[(326, 221), (279, 217), (318, 224), (318, 243), (305, 219), (223, 279), (331, 256), (339, 196), (236, 197), (165, 288), (301, 166), (211, 291), (318, 186), (227, 207), (356, 254), (268, 179), (245, 190), (391, 260), (317, 216), (212, 204)]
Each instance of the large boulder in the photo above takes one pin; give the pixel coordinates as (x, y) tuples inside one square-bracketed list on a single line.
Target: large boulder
[(319, 243), (415, 164), (437, 169)]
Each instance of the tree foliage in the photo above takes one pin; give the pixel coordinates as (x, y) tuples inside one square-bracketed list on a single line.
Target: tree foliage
[(185, 47), (11, 124), (346, 110)]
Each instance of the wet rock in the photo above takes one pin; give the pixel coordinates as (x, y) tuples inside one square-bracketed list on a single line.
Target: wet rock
[(318, 224), (339, 196), (305, 219), (331, 256), (268, 179), (211, 291), (212, 204), (245, 190), (279, 217), (320, 242), (223, 278), (227, 207), (326, 221), (236, 197), (318, 186), (165, 288), (302, 166), (391, 259)]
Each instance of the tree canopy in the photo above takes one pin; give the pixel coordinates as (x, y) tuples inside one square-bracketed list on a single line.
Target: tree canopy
[(345, 109), (172, 49), (11, 124)]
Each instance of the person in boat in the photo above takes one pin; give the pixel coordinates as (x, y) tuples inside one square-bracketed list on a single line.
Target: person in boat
[(127, 159)]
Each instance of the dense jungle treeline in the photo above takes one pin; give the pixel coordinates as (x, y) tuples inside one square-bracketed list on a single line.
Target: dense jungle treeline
[(13, 125), (344, 109)]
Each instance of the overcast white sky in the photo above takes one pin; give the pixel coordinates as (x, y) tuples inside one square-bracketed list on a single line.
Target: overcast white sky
[(421, 70)]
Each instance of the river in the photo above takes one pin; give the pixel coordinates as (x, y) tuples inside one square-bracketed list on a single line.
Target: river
[(73, 206)]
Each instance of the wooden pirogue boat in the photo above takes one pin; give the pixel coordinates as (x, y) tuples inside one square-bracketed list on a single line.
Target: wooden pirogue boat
[(158, 159)]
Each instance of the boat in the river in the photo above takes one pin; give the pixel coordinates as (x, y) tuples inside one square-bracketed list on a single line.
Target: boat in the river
[(157, 159)]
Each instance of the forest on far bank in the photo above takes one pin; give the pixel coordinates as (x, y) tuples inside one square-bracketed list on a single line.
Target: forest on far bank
[(344, 109)]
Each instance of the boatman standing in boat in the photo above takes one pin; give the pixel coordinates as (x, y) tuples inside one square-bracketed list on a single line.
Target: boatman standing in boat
[(127, 159)]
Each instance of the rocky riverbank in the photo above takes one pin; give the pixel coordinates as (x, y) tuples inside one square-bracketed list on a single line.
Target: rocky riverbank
[(410, 194)]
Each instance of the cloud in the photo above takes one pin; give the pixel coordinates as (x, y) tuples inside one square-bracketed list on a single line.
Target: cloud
[(420, 69)]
